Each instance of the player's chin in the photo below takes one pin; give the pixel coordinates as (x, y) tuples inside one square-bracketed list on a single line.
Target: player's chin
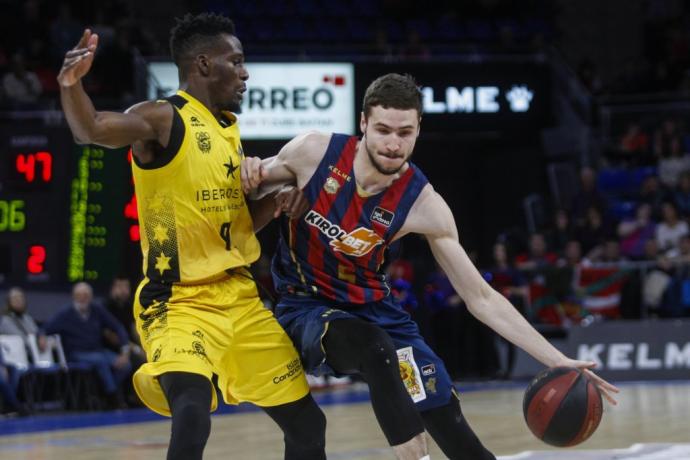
[(234, 105)]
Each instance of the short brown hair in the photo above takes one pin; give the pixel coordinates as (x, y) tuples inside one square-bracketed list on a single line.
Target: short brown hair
[(393, 91)]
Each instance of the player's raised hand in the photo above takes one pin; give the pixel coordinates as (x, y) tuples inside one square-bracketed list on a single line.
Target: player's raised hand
[(78, 60), (252, 173), (291, 201)]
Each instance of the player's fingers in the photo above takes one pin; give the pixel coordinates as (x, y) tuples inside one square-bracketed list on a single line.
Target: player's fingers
[(585, 364), (608, 397), (256, 174), (280, 204), (601, 382), (92, 42), (76, 52), (69, 63), (243, 177), (300, 204), (605, 388), (83, 39)]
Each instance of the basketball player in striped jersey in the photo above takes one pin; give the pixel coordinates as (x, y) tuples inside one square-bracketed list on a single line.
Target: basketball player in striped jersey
[(197, 310), (336, 303)]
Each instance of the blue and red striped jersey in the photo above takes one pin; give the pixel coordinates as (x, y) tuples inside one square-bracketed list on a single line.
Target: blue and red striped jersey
[(337, 247)]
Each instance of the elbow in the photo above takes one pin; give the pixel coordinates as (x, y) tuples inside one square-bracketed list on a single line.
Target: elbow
[(483, 304)]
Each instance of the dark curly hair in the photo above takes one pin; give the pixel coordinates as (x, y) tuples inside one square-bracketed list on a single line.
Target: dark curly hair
[(393, 91), (193, 32)]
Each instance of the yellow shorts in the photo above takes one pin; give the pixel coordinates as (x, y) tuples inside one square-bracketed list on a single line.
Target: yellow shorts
[(218, 328)]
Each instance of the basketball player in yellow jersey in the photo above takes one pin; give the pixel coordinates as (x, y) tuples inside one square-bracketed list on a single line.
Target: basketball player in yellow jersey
[(197, 309)]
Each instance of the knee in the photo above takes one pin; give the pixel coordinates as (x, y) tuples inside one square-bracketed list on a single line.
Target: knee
[(377, 350), (191, 415)]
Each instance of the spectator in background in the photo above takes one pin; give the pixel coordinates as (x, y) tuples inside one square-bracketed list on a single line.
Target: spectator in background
[(510, 282), (401, 275), (82, 327), (634, 233), (16, 320), (507, 279), (572, 255), (667, 148), (681, 196), (538, 256), (64, 32), (587, 197), (670, 230), (634, 146), (611, 251), (562, 231), (8, 392), (115, 70), (593, 233), (119, 304), (21, 86), (444, 303), (653, 193)]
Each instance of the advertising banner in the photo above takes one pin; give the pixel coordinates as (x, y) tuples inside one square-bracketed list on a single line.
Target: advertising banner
[(282, 99)]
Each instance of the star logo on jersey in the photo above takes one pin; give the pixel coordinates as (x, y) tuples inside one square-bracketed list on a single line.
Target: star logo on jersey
[(155, 203), (161, 234), (231, 168), (203, 141), (331, 186), (162, 263)]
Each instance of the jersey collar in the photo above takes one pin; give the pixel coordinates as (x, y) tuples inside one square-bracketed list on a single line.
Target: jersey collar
[(231, 117)]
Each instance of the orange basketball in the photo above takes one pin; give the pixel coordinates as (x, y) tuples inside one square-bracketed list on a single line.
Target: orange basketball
[(562, 406)]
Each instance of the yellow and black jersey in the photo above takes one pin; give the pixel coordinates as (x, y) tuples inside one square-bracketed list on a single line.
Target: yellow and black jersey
[(193, 216)]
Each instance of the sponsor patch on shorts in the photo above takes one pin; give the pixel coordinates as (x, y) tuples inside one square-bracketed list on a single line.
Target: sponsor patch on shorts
[(429, 369), (410, 374)]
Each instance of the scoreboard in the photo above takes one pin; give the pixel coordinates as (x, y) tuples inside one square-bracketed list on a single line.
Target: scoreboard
[(67, 211)]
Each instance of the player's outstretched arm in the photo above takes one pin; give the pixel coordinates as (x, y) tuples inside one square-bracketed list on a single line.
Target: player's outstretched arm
[(109, 129), (289, 201), (294, 165), (432, 217)]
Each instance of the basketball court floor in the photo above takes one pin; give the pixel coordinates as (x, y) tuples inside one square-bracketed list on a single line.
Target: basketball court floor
[(651, 422)]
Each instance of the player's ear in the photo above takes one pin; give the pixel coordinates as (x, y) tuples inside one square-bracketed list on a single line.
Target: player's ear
[(203, 63), (363, 123)]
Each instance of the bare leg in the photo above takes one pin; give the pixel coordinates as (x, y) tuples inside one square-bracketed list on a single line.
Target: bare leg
[(414, 449)]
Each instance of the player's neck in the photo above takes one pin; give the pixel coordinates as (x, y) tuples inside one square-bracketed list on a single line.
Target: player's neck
[(368, 178), (202, 95)]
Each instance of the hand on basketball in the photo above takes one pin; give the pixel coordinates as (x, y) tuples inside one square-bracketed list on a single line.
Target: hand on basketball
[(607, 390), (291, 201), (252, 173), (78, 60)]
